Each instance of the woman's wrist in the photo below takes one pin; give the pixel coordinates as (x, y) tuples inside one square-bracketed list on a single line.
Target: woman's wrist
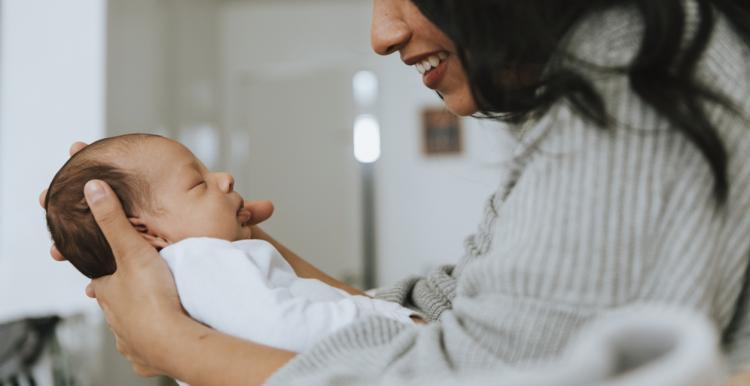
[(199, 355), (259, 234), (166, 352)]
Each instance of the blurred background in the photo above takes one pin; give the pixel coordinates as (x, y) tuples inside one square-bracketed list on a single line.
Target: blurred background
[(372, 179)]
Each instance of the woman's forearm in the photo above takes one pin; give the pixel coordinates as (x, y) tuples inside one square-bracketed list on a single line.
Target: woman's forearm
[(201, 356), (740, 379), (301, 267)]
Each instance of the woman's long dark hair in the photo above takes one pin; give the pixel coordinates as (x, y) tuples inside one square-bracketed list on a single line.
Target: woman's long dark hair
[(507, 47)]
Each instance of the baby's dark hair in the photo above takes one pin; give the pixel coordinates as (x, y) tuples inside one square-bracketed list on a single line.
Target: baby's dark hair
[(71, 224)]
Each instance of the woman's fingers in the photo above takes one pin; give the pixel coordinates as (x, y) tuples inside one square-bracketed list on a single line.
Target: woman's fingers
[(76, 147), (55, 253), (140, 368), (261, 211), (119, 346), (125, 241), (90, 292), (42, 198), (140, 297)]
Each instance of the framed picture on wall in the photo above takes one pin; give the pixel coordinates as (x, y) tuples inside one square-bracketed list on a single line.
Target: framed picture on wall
[(441, 132)]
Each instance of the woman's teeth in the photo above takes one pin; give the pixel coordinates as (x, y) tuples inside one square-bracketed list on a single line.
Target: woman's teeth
[(431, 62)]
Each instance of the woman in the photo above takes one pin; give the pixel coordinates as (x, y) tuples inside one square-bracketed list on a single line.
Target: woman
[(631, 188)]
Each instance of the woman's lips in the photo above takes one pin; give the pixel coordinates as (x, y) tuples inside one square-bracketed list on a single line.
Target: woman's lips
[(432, 68), (433, 77)]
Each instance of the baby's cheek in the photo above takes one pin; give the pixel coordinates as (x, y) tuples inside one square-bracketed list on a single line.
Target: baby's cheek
[(210, 222), (224, 228), (203, 227)]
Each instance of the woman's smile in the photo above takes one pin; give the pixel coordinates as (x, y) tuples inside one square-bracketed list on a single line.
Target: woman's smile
[(399, 26), (431, 66)]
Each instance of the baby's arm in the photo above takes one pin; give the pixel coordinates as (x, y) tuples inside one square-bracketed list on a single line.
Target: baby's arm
[(303, 268), (224, 288)]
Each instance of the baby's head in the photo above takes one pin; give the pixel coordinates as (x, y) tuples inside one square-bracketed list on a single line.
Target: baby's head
[(166, 192)]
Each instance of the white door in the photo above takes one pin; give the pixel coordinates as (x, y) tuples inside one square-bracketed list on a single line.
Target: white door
[(293, 144)]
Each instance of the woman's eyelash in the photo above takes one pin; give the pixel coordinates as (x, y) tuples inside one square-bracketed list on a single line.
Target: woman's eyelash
[(199, 184)]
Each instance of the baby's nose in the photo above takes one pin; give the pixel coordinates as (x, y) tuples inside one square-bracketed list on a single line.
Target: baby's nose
[(227, 182)]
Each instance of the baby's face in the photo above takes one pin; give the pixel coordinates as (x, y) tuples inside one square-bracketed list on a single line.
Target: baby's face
[(187, 199)]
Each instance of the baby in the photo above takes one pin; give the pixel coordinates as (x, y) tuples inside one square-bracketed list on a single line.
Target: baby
[(196, 220)]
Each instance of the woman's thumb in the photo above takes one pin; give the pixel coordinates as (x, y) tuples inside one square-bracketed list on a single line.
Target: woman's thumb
[(107, 210)]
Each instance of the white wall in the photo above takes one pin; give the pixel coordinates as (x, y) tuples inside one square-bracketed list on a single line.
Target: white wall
[(162, 72), (425, 207), (137, 97), (288, 111), (428, 206), (51, 94)]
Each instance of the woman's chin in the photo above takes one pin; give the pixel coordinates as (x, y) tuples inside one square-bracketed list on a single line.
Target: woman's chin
[(460, 105)]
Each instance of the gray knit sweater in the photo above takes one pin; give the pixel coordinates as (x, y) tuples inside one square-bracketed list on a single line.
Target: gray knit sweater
[(589, 220)]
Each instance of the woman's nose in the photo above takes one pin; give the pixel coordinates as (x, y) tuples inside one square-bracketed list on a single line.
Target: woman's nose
[(226, 182), (389, 32)]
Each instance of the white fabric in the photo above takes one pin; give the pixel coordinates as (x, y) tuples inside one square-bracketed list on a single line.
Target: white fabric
[(248, 290)]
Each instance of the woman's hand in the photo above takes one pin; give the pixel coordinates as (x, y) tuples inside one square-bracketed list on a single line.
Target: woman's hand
[(740, 379), (143, 310), (74, 148), (139, 300)]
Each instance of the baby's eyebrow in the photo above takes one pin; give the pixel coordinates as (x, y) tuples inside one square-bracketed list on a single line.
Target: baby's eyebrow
[(193, 165)]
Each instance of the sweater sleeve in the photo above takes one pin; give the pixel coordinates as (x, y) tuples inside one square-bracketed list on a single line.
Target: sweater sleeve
[(430, 295)]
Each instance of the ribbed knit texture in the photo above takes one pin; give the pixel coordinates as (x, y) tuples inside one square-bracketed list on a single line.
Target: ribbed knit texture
[(590, 219)]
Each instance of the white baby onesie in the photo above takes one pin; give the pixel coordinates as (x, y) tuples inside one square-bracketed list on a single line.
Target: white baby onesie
[(248, 290)]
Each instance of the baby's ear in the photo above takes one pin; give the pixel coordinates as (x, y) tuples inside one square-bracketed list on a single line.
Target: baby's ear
[(155, 240)]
